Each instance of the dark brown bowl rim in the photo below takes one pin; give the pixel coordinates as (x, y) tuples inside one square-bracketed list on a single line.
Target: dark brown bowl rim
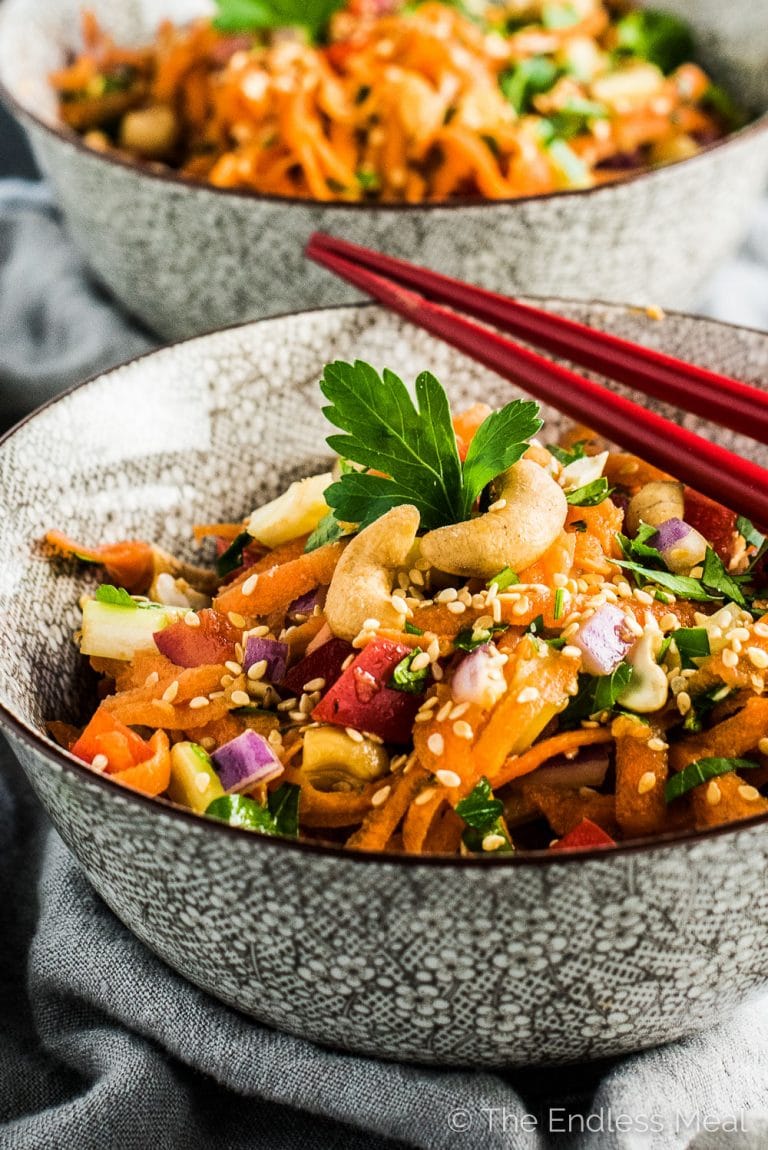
[(535, 858), (67, 136)]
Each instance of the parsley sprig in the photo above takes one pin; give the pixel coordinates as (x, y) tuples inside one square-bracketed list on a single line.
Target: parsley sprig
[(483, 815), (413, 447), (263, 15)]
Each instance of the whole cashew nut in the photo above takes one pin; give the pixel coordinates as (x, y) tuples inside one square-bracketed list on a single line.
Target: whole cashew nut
[(515, 535), (361, 587)]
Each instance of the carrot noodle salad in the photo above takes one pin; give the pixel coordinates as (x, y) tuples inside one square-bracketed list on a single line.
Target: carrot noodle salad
[(379, 100), (458, 640)]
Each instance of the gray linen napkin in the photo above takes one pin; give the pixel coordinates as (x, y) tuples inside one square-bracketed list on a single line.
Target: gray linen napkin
[(102, 1045)]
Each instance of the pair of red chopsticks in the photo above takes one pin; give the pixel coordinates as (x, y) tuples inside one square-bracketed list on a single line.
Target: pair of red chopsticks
[(412, 291)]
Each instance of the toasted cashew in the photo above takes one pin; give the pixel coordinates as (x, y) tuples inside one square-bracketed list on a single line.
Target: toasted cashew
[(515, 534), (361, 587)]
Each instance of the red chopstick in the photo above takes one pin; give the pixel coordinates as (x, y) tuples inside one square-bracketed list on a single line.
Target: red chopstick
[(725, 477), (716, 397)]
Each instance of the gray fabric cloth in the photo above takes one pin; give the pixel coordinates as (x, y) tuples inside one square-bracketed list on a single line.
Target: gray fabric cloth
[(102, 1045)]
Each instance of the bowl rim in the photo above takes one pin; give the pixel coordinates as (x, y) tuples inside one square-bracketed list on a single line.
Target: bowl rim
[(534, 858), (169, 176)]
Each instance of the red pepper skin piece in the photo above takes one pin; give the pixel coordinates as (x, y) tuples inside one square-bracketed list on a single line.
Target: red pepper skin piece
[(324, 662), (361, 698), (585, 834), (212, 641), (716, 523), (107, 736)]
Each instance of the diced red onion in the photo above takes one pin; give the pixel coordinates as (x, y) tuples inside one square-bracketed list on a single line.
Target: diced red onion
[(246, 760), (479, 677), (303, 606), (681, 545), (603, 640), (272, 651), (589, 771)]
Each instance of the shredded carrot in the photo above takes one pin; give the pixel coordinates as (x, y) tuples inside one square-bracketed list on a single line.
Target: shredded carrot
[(519, 765)]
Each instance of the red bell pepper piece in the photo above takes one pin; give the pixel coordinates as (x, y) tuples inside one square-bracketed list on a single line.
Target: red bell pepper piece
[(362, 699), (105, 735), (323, 662), (212, 641), (716, 523), (585, 834)]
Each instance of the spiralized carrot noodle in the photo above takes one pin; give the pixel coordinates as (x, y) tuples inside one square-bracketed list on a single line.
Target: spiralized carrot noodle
[(421, 102)]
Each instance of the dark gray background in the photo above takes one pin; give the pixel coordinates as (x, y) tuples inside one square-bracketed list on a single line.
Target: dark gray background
[(15, 157)]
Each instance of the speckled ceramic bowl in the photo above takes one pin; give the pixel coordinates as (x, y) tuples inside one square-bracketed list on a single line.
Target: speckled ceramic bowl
[(186, 258), (541, 958)]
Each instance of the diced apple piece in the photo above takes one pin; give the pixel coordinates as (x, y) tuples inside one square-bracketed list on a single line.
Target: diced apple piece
[(296, 512)]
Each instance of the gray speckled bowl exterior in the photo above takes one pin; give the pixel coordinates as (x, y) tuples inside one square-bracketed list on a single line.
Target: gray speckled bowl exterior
[(186, 258), (514, 961)]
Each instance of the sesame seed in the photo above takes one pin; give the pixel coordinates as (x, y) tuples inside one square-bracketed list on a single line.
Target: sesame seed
[(761, 630), (207, 743), (757, 657), (257, 670), (433, 650), (198, 702), (240, 698), (420, 661), (422, 716), (191, 619), (448, 778), (416, 577), (371, 625), (729, 657), (171, 691), (646, 783), (483, 623), (669, 622), (234, 667), (347, 662), (437, 672), (632, 625), (456, 607), (499, 505), (762, 746), (249, 586), (151, 679), (749, 793), (298, 716), (287, 704), (424, 797), (492, 842), (436, 743), (683, 702), (459, 710), (462, 729), (260, 631), (657, 744), (496, 609), (306, 704), (714, 794), (528, 695), (275, 738), (623, 589), (354, 735), (429, 703), (448, 595), (239, 652), (740, 633), (571, 652), (236, 619), (99, 762), (444, 711), (381, 796)]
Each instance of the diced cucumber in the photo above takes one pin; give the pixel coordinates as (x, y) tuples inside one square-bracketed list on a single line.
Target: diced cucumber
[(194, 782), (115, 632)]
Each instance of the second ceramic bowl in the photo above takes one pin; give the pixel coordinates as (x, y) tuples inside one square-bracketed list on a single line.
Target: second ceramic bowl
[(186, 258)]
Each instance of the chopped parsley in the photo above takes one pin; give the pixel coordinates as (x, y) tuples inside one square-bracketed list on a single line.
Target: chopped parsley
[(410, 629), (591, 494), (413, 446), (470, 638), (682, 585), (715, 578), (527, 79), (566, 455), (261, 15), (279, 817), (119, 597), (701, 772), (328, 530), (658, 37), (692, 643), (701, 707), (596, 693), (559, 603), (404, 678), (483, 815)]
